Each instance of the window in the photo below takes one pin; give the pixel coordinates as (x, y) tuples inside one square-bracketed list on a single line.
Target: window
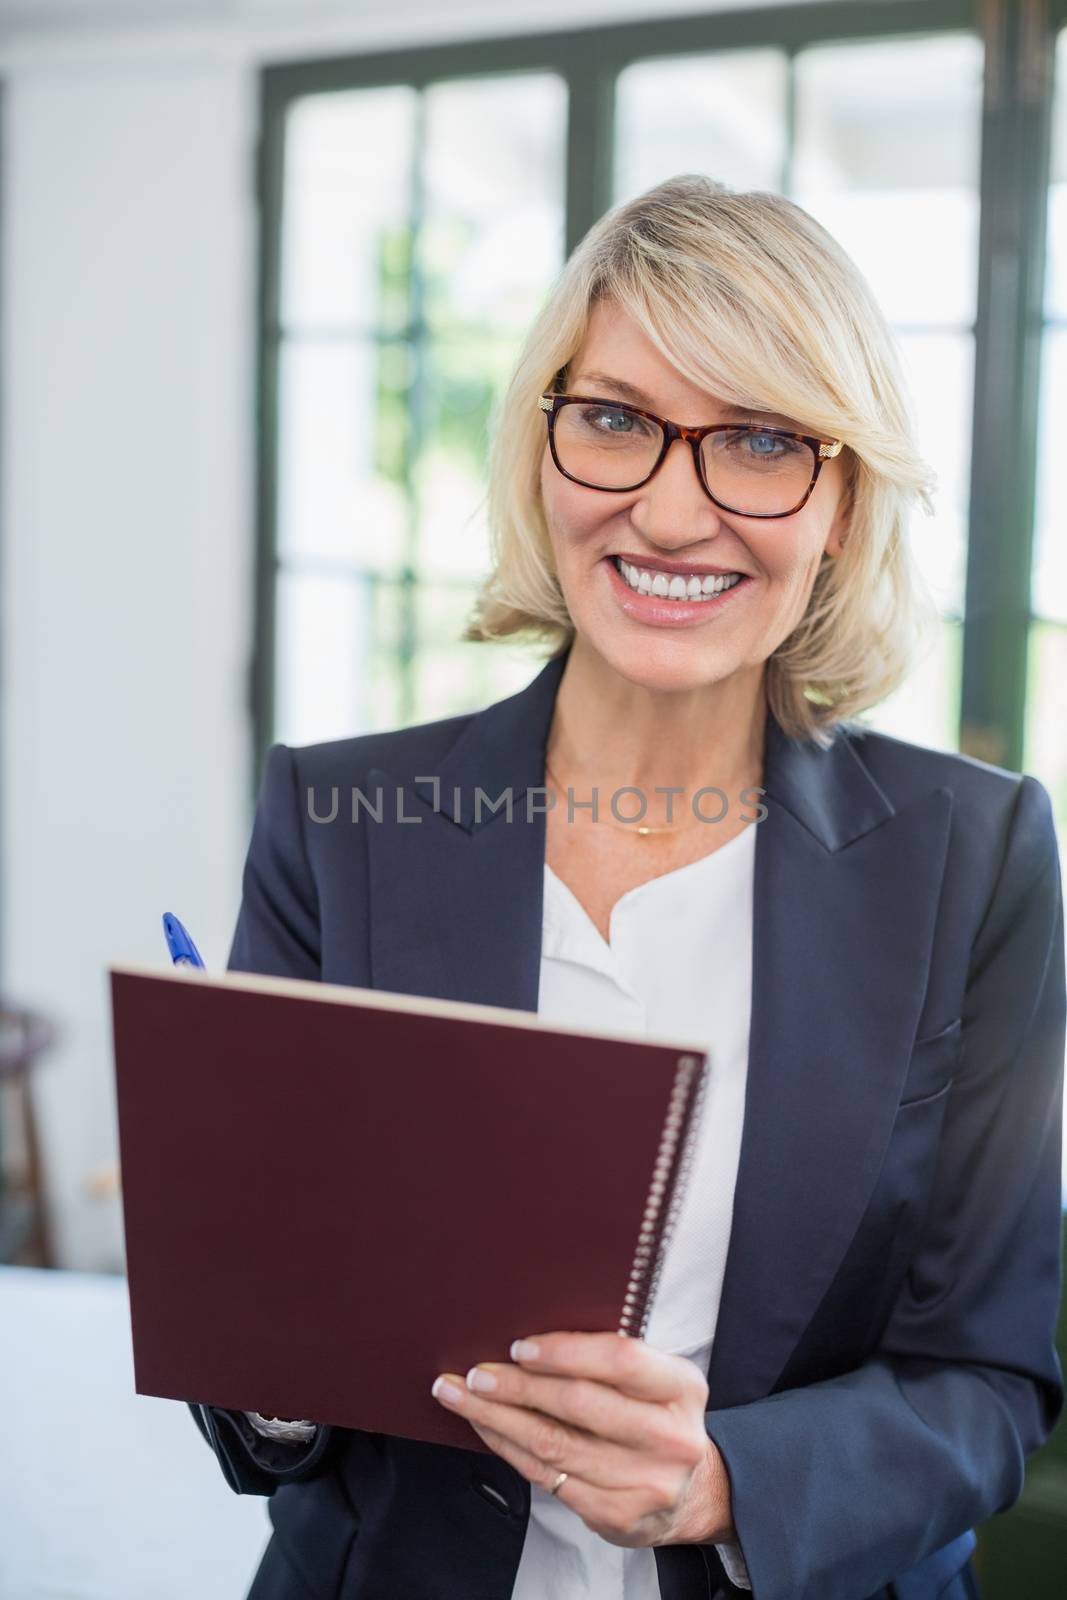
[(419, 229), (416, 209), (1046, 722), (880, 141)]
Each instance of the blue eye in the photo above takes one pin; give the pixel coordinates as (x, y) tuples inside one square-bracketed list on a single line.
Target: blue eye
[(618, 421)]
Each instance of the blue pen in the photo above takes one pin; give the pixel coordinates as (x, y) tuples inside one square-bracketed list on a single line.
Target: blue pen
[(183, 951)]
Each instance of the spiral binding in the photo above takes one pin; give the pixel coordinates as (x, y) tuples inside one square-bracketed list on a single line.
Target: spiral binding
[(675, 1152)]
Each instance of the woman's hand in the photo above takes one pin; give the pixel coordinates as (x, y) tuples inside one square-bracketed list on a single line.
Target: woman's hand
[(624, 1421)]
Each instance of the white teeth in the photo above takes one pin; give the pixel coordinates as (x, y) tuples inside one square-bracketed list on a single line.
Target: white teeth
[(675, 586)]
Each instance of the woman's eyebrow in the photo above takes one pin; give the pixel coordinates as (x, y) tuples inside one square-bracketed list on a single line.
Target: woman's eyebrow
[(628, 391), (638, 397)]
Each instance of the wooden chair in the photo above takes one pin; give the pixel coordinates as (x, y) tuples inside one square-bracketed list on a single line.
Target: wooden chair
[(25, 1235)]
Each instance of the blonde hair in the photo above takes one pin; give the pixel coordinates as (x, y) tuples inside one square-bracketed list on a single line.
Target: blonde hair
[(751, 299)]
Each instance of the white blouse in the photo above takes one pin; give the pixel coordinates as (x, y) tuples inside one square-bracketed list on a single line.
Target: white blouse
[(679, 962)]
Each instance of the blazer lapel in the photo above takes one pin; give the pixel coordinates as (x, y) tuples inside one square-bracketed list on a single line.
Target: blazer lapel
[(844, 905), (456, 895), (845, 898)]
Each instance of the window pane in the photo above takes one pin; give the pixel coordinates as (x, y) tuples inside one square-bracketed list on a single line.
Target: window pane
[(1050, 531), (492, 235), (1049, 593), (940, 372), (720, 114), (450, 675), (1046, 707), (342, 440), (1056, 259), (335, 660), (1056, 264), (463, 379), (387, 379), (887, 160), (347, 195), (925, 709), (1045, 752)]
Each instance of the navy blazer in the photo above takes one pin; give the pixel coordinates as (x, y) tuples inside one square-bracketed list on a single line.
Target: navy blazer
[(883, 1360)]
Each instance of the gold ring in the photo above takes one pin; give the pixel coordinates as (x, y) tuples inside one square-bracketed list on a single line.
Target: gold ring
[(560, 1481)]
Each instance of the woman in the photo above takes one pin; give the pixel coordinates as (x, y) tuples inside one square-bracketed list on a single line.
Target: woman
[(700, 480)]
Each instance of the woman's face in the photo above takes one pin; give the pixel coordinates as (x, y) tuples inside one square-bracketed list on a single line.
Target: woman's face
[(671, 523)]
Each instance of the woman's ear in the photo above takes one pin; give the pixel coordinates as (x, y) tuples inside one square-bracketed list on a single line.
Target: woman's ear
[(839, 527), (835, 542)]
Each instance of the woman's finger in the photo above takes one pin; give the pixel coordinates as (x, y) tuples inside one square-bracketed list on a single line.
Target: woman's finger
[(629, 1365), (602, 1462), (587, 1405), (547, 1442)]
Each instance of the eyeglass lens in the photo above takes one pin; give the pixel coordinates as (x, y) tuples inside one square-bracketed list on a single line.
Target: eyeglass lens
[(752, 472)]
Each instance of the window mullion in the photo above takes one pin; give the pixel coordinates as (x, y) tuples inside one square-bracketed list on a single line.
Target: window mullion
[(407, 644), (1016, 126), (590, 144), (269, 186)]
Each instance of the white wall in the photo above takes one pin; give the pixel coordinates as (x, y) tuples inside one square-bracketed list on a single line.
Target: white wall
[(126, 508), (127, 556)]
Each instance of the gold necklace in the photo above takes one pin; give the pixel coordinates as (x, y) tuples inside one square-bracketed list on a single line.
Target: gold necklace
[(632, 827)]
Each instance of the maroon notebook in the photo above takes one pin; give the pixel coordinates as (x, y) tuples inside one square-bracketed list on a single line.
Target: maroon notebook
[(333, 1194)]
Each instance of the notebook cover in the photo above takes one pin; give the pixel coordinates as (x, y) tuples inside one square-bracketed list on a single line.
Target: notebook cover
[(333, 1194)]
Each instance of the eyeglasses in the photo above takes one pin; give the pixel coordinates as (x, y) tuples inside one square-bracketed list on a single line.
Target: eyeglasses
[(756, 472)]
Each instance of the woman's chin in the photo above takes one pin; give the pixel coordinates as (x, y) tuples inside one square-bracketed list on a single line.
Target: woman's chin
[(662, 662)]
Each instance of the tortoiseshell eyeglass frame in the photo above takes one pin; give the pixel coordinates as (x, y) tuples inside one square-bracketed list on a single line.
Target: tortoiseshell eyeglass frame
[(822, 449)]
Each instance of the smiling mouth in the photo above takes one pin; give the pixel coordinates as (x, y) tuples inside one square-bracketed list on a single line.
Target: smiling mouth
[(661, 585)]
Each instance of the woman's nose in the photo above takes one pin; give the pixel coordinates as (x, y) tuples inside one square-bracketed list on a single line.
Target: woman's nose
[(673, 508)]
